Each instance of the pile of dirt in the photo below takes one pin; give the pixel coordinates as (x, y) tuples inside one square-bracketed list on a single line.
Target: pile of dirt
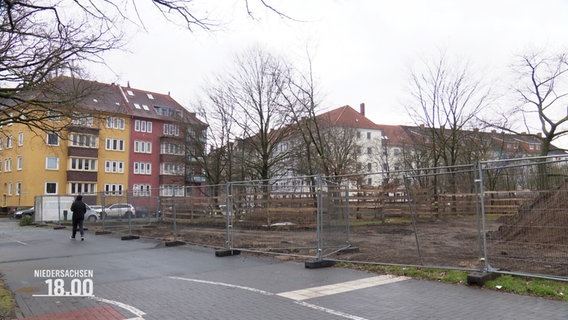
[(544, 220)]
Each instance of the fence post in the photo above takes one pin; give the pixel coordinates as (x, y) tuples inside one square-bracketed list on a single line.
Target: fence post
[(485, 266), (228, 251), (229, 214), (319, 262), (319, 218), (412, 216)]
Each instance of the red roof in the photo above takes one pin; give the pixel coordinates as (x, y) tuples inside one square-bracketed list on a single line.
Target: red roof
[(346, 116)]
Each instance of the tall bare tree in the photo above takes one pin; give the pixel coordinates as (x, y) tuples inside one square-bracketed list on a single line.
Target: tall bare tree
[(250, 98), (40, 40), (447, 100), (324, 148), (542, 87)]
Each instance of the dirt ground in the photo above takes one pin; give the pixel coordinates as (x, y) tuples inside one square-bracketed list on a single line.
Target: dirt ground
[(514, 244)]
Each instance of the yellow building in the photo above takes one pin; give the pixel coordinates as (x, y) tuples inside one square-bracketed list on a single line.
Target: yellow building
[(83, 155)]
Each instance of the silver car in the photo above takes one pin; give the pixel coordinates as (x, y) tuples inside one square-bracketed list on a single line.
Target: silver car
[(119, 210)]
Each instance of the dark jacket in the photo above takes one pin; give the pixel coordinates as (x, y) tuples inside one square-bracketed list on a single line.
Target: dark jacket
[(79, 208)]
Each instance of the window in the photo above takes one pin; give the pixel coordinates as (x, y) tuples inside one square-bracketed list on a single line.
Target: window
[(358, 135), (18, 188), (9, 142), (130, 93), (84, 140), (150, 96), (54, 115), (52, 139), (19, 163), (171, 129), (172, 169), (52, 163), (368, 136), (142, 190), (143, 126), (1, 143), (114, 166), (9, 188), (113, 189), (82, 188), (369, 150), (142, 168), (0, 165), (171, 190), (171, 148), (83, 164), (20, 139), (369, 166), (137, 106), (51, 188), (83, 121), (115, 123), (114, 144), (370, 181), (8, 165), (143, 146), (396, 151)]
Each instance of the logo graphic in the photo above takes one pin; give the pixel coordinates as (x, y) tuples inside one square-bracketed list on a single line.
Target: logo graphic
[(66, 282)]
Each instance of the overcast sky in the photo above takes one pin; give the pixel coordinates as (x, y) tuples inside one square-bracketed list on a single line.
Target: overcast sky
[(362, 50)]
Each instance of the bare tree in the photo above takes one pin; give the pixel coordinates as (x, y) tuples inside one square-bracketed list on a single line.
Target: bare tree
[(447, 100), (35, 45), (324, 148), (250, 98), (40, 40), (543, 90)]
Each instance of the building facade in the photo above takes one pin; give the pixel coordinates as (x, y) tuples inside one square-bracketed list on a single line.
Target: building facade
[(124, 140)]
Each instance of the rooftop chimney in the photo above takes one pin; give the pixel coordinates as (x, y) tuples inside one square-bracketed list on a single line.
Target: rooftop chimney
[(362, 108)]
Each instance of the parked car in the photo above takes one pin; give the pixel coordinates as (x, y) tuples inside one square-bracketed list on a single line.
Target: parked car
[(119, 210), (98, 209), (24, 212), (91, 215)]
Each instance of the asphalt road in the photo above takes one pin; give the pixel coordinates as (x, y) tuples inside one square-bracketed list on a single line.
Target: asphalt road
[(143, 279)]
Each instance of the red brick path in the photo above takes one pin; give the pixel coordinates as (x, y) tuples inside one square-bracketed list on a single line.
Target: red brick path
[(94, 313)]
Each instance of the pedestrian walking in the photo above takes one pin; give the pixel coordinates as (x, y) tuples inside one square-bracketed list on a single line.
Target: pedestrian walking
[(79, 208)]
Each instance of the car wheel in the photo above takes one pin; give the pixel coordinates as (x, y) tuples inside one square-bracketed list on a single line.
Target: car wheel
[(92, 219), (128, 214)]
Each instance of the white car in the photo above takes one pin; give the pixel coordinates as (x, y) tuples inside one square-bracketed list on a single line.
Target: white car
[(119, 210), (91, 215)]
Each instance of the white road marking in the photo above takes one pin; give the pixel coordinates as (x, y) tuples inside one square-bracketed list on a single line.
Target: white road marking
[(309, 293), (299, 295), (266, 293), (137, 312), (330, 311)]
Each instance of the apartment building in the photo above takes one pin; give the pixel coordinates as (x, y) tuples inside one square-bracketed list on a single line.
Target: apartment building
[(122, 140)]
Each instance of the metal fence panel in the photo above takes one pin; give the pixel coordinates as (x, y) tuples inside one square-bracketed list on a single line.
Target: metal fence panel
[(274, 218), (532, 237)]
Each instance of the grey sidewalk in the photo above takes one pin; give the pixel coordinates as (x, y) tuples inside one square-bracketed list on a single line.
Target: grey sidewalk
[(142, 279)]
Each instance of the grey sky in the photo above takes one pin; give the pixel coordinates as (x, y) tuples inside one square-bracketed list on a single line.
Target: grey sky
[(362, 49)]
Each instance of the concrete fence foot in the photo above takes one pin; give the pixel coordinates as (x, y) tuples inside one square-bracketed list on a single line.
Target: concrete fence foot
[(479, 278), (129, 237), (316, 264), (227, 252)]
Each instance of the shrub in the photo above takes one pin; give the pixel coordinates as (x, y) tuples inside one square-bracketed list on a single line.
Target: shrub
[(26, 220)]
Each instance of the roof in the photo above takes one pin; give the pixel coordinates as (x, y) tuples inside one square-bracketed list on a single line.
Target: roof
[(148, 104), (348, 117)]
